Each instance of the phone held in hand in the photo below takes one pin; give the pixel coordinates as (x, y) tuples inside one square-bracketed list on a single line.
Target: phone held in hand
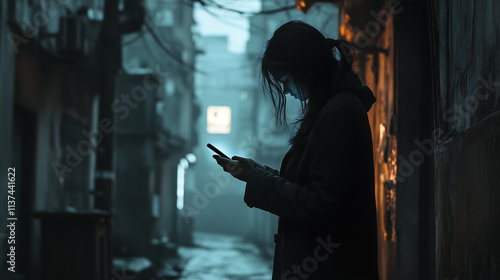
[(211, 147)]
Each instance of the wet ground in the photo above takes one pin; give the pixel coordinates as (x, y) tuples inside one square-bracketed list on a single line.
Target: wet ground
[(224, 257)]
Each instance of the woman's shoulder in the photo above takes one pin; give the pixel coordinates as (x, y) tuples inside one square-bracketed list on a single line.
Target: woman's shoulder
[(343, 111), (344, 101)]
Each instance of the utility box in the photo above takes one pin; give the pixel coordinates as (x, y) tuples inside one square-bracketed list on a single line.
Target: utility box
[(75, 245)]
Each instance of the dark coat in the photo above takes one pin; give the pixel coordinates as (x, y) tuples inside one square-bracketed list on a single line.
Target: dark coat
[(324, 196)]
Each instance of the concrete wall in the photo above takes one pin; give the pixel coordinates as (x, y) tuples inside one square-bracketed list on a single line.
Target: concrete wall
[(468, 153)]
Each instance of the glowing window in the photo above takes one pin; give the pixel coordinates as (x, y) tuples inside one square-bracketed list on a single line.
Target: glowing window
[(218, 119)]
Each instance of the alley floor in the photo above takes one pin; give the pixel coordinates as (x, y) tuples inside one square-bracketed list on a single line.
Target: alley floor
[(224, 257)]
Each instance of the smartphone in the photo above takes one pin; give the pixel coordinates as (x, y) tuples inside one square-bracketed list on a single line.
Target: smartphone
[(211, 147)]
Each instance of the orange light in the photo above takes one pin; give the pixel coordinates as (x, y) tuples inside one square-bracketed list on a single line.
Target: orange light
[(345, 30), (304, 5)]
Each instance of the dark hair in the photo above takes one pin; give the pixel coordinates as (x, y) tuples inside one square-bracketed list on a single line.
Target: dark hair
[(301, 51)]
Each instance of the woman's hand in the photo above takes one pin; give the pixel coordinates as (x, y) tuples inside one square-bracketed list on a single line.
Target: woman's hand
[(239, 167)]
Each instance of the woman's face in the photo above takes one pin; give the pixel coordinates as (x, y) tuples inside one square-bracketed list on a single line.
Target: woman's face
[(290, 86)]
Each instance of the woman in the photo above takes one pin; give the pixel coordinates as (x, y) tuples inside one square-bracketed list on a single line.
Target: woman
[(324, 192)]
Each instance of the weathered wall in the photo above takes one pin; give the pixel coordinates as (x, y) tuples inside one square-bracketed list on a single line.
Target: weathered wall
[(468, 196), (377, 72), (453, 60), (37, 95), (366, 29), (393, 41), (468, 156)]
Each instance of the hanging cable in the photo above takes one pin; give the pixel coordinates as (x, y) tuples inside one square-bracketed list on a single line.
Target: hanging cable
[(135, 39), (251, 28), (168, 51), (218, 5)]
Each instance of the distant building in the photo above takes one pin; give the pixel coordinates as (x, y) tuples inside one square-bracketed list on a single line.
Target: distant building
[(98, 116), (169, 54), (225, 80)]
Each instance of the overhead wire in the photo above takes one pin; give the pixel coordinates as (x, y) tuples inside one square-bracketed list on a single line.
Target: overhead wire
[(135, 39), (167, 50), (220, 6), (225, 21), (206, 4)]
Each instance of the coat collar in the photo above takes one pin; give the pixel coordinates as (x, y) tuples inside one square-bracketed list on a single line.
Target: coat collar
[(352, 83)]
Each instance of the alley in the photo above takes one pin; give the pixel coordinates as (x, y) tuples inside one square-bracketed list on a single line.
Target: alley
[(224, 257), (376, 123)]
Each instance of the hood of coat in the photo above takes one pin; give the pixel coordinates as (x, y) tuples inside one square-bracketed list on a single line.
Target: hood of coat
[(352, 82)]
